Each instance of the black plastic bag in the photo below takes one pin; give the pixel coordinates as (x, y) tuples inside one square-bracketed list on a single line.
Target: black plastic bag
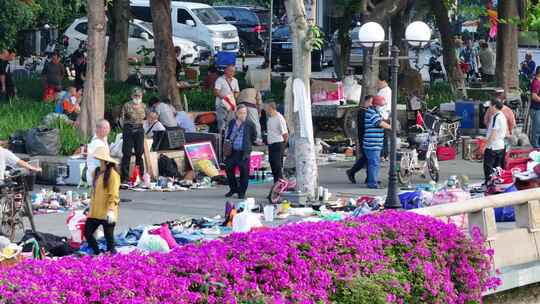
[(55, 245), (43, 141), (167, 167)]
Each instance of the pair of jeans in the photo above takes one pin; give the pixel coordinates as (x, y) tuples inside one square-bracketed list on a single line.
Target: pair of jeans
[(237, 160), (492, 160), (92, 225), (373, 158), (360, 163), (133, 139), (535, 128), (275, 158)]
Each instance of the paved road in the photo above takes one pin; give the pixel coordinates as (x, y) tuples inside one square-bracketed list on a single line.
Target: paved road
[(148, 208)]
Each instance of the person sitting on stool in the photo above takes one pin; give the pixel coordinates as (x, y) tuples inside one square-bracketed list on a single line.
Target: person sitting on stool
[(497, 130), (241, 132)]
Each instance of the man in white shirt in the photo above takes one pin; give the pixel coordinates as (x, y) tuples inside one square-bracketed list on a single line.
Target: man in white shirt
[(386, 93), (7, 158), (226, 90), (99, 140), (152, 124), (277, 137), (497, 130)]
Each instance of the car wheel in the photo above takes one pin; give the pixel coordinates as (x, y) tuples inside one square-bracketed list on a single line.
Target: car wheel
[(243, 47), (317, 66)]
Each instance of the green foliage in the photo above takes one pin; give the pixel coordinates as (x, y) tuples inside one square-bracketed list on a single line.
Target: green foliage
[(439, 92), (263, 3), (70, 140), (14, 16), (362, 290), (317, 37), (21, 114)]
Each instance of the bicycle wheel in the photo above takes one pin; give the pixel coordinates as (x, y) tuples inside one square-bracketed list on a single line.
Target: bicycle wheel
[(28, 212), (433, 167), (10, 219), (404, 172)]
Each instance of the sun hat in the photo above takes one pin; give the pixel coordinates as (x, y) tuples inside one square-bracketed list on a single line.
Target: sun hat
[(378, 101), (103, 154)]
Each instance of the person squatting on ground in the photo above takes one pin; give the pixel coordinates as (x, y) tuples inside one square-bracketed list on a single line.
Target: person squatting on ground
[(241, 133), (133, 115), (104, 202)]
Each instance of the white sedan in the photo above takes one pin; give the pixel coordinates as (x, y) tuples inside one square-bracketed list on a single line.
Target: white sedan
[(140, 36)]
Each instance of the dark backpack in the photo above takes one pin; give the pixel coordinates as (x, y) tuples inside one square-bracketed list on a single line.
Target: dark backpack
[(55, 245), (167, 167)]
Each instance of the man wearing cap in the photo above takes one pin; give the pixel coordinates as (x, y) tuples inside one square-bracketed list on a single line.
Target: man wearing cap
[(374, 127), (507, 112), (361, 161), (497, 130), (132, 118)]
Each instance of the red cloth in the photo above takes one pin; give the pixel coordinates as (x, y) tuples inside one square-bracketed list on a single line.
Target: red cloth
[(419, 119)]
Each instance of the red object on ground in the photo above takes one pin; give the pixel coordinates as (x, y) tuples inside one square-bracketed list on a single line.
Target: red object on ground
[(49, 94), (135, 174), (517, 158), (446, 153)]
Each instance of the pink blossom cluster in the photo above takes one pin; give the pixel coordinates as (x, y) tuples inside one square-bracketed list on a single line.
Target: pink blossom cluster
[(429, 262)]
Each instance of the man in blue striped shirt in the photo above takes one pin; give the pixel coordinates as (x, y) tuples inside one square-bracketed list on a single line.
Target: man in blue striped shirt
[(374, 126)]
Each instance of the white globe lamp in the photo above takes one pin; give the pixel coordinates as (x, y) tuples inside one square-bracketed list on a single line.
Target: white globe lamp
[(371, 34), (418, 33)]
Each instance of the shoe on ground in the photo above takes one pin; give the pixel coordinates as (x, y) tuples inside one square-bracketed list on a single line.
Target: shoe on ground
[(229, 194), (373, 187), (350, 176)]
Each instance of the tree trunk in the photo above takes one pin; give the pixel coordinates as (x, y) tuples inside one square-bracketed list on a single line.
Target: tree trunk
[(453, 72), (344, 45), (117, 52), (164, 51), (94, 85), (507, 44), (306, 163)]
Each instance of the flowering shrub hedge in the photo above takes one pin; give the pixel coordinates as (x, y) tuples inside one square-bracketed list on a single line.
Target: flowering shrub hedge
[(395, 257)]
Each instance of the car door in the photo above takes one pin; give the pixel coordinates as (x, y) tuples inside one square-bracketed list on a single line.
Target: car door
[(182, 29), (135, 40)]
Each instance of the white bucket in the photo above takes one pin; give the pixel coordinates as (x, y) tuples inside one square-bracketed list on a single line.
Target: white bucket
[(269, 213)]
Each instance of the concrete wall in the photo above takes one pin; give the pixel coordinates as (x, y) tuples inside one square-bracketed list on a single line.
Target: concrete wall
[(529, 294)]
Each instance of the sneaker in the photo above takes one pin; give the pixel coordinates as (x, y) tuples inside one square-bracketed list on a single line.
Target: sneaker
[(351, 177), (229, 194), (373, 187)]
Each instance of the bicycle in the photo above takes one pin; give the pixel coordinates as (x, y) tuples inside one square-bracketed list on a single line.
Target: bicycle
[(410, 165), (15, 203), (287, 183)]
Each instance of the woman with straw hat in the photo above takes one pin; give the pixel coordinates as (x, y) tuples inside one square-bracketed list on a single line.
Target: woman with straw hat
[(105, 200)]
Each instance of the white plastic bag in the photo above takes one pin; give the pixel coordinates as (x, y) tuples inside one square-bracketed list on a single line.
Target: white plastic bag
[(116, 146), (152, 243), (245, 221), (76, 222)]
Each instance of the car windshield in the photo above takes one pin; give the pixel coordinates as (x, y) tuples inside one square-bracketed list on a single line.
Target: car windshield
[(264, 16), (209, 16), (281, 32)]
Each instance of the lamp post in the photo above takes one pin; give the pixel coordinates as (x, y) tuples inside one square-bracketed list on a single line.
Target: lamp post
[(371, 35)]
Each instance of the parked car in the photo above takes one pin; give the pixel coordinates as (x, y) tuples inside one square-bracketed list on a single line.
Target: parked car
[(282, 50), (197, 22), (140, 35), (357, 51), (252, 25)]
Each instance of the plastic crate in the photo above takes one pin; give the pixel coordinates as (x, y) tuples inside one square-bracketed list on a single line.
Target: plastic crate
[(517, 158)]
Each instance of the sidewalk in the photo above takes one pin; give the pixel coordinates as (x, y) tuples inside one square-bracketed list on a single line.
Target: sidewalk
[(155, 207)]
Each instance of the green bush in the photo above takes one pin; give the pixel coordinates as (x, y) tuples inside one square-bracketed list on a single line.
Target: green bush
[(362, 290)]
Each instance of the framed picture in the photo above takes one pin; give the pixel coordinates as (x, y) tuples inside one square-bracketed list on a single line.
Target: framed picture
[(200, 155)]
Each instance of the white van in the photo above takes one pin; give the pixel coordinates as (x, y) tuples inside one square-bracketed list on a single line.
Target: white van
[(197, 22)]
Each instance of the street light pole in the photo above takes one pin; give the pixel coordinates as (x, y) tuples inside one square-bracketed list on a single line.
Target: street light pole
[(392, 200)]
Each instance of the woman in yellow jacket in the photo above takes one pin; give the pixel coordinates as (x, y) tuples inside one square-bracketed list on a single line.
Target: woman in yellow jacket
[(105, 199)]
